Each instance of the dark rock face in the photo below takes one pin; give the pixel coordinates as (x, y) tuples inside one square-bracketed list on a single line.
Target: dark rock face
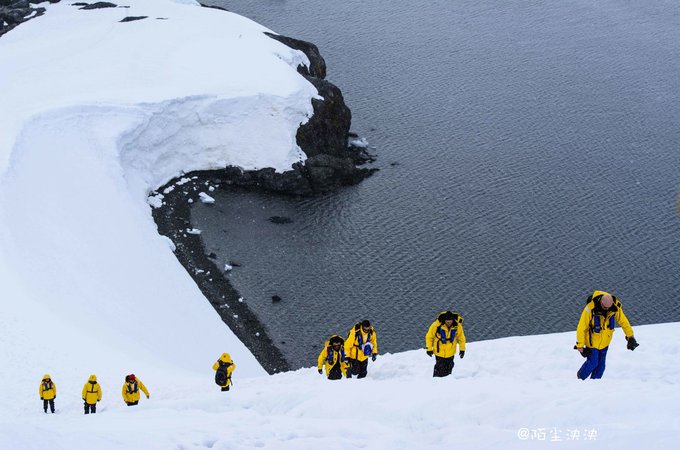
[(214, 7), (132, 18), (317, 65), (99, 5), (331, 162), (15, 12)]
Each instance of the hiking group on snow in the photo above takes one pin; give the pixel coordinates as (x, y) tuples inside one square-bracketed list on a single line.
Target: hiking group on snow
[(349, 357)]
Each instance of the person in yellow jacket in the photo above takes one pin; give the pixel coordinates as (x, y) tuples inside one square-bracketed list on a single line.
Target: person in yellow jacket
[(131, 389), (332, 357), (92, 393), (595, 331), (361, 343), (223, 368), (48, 392), (441, 340)]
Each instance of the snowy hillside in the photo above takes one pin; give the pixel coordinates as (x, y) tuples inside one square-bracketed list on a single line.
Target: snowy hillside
[(512, 393), (95, 114)]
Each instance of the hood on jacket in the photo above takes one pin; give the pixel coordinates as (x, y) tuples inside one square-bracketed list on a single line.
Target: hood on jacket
[(225, 358), (93, 378), (46, 377), (449, 315), (335, 338)]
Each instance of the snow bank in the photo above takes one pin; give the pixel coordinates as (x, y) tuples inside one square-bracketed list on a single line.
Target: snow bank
[(512, 393)]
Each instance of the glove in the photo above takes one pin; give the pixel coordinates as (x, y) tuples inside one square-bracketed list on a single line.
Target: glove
[(462, 354), (632, 343), (320, 371), (430, 353), (374, 356), (42, 398), (147, 397)]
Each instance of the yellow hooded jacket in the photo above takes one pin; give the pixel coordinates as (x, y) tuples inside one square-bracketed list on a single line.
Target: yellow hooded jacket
[(131, 390), (48, 390), (225, 359), (596, 327), (335, 358), (439, 339), (92, 392), (357, 339)]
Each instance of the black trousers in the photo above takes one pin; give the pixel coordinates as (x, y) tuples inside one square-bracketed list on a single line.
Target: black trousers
[(50, 402), (443, 367), (225, 388), (335, 373), (132, 403), (90, 408), (358, 368)]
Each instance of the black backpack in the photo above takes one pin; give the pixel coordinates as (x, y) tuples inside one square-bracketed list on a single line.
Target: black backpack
[(221, 374)]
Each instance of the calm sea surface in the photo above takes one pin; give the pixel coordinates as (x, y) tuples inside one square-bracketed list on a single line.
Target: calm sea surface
[(529, 153)]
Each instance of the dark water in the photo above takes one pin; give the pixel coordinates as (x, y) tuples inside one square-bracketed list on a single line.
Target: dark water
[(538, 151)]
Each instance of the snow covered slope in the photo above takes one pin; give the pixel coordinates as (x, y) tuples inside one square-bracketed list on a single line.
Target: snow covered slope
[(95, 114), (512, 393)]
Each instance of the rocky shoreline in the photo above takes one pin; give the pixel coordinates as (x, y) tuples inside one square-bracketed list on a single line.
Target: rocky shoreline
[(332, 162)]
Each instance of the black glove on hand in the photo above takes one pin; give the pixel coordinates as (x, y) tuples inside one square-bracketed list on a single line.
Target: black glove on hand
[(429, 353), (320, 371), (632, 343), (585, 353), (461, 354), (373, 357)]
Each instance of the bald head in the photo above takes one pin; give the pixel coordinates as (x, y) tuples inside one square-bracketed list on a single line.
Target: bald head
[(606, 301)]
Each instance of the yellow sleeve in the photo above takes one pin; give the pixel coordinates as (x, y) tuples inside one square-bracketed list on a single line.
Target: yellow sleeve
[(460, 336), (349, 342), (322, 357), (582, 328), (230, 369), (622, 320), (99, 392), (429, 337), (84, 391), (143, 388), (123, 392), (374, 341), (54, 386), (41, 389), (216, 365)]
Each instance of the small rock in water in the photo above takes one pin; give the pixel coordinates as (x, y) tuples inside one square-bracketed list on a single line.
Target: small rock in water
[(234, 263), (280, 220), (276, 298), (227, 268)]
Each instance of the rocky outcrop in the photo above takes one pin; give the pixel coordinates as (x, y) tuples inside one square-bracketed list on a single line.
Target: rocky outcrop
[(15, 12), (97, 5), (331, 161)]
